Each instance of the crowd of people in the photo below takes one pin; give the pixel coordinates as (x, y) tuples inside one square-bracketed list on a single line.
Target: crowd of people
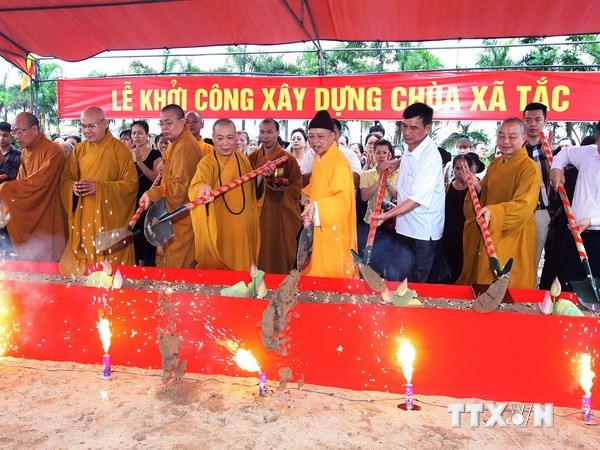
[(58, 195)]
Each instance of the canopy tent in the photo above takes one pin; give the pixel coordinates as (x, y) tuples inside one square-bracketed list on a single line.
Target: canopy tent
[(73, 30)]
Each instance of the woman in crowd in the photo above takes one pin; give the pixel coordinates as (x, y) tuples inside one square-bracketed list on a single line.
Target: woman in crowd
[(299, 144), (452, 241), (370, 180), (252, 145), (343, 141), (125, 137), (370, 141), (161, 143), (144, 158), (359, 150)]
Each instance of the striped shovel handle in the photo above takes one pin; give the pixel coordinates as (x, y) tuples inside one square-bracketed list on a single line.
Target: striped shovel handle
[(142, 208), (377, 209), (485, 232), (546, 147), (571, 218), (235, 183)]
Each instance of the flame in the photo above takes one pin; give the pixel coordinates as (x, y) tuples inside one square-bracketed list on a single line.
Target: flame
[(586, 375), (246, 360), (406, 358), (230, 345), (103, 326), (242, 357)]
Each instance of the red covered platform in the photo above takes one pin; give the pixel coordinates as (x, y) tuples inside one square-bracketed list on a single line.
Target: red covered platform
[(499, 356)]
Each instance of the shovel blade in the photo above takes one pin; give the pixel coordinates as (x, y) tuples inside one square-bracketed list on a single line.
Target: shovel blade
[(158, 233), (305, 244), (491, 298), (109, 239), (587, 293), (372, 278)]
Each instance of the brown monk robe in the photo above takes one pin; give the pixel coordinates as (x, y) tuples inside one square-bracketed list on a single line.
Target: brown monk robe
[(180, 161), (98, 188), (280, 210), (37, 226)]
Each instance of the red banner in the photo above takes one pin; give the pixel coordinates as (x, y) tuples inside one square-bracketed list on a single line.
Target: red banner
[(570, 96)]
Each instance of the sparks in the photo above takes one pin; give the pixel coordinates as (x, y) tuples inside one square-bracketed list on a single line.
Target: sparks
[(406, 358), (103, 326), (586, 375)]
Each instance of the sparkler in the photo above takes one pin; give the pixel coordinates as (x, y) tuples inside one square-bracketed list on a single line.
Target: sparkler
[(586, 380), (246, 361), (103, 326), (406, 358)]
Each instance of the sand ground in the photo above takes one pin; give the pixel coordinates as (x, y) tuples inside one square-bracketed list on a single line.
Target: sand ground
[(47, 404)]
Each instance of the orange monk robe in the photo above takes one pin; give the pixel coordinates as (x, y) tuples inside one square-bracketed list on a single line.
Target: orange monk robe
[(279, 214), (510, 189), (38, 227), (181, 159), (204, 147), (109, 163), (226, 230), (332, 187)]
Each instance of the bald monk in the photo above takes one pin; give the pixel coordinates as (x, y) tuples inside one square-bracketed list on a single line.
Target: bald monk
[(195, 122), (227, 229), (37, 225), (509, 195), (280, 210), (180, 161), (330, 204), (98, 188)]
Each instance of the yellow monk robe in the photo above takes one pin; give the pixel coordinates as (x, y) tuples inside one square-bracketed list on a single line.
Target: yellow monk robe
[(204, 147), (38, 226), (510, 189), (227, 229), (181, 159), (110, 164), (279, 214), (332, 187)]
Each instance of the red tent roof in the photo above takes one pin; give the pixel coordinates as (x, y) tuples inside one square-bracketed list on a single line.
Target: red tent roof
[(74, 30)]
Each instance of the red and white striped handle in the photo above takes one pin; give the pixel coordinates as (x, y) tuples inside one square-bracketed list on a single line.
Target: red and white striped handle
[(572, 221), (377, 209), (235, 183), (141, 208), (566, 204), (546, 147), (485, 232)]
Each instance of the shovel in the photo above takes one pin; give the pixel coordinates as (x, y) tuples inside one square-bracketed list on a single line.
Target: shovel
[(158, 227), (305, 244), (109, 239), (489, 300), (372, 278), (586, 290)]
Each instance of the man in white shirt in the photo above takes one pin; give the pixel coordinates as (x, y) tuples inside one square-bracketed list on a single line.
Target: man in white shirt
[(420, 202), (586, 208)]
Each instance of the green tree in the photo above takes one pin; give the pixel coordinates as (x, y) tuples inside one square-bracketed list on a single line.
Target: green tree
[(493, 56), (47, 94), (464, 130)]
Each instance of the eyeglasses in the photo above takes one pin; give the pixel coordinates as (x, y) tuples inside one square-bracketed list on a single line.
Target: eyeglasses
[(15, 132), (91, 126), (319, 137)]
